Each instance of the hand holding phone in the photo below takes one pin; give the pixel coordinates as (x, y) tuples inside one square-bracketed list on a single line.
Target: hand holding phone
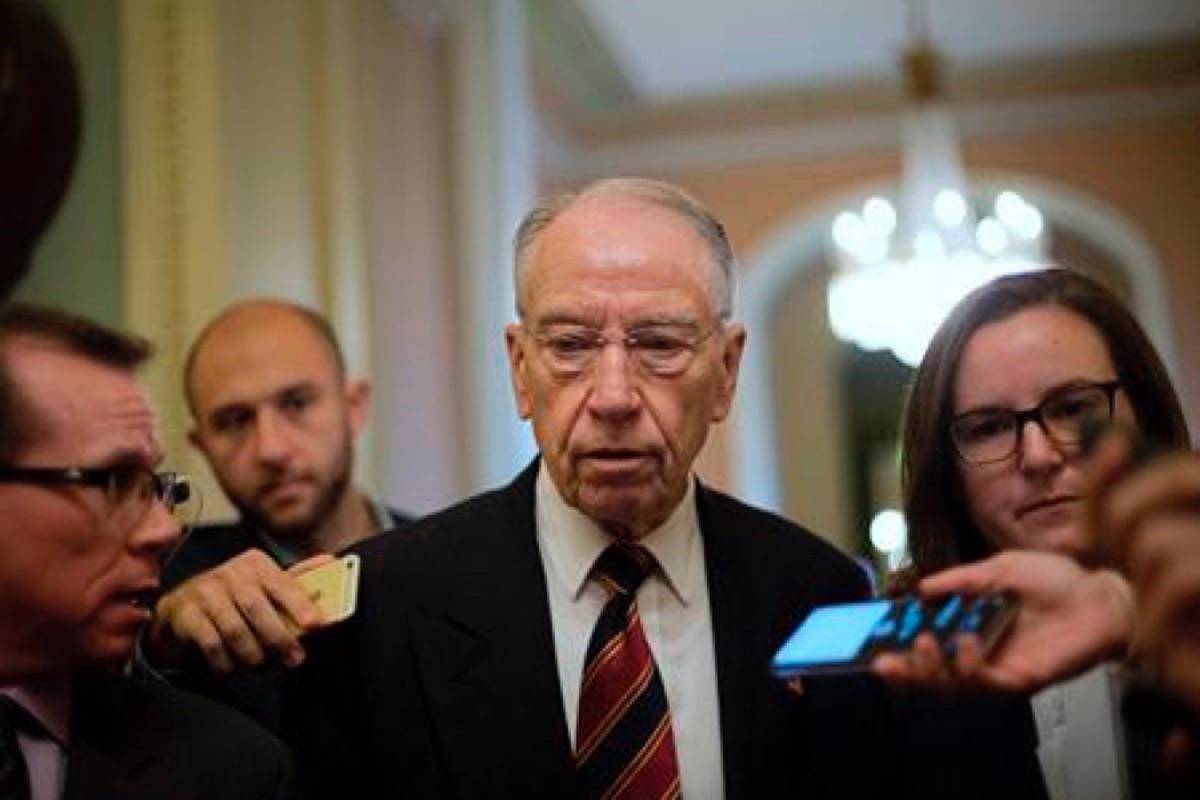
[(848, 637), (1069, 619)]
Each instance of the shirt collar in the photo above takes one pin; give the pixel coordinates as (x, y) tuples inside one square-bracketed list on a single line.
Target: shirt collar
[(380, 514), (573, 541), (282, 554), (47, 701), (279, 553)]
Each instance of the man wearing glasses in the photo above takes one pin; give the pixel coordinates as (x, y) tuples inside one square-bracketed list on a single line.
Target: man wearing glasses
[(601, 626), (85, 521)]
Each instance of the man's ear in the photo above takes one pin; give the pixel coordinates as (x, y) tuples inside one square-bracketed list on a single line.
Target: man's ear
[(358, 396), (518, 363), (731, 362)]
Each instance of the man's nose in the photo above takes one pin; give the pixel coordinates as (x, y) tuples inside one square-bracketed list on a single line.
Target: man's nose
[(272, 443), (157, 531), (614, 391)]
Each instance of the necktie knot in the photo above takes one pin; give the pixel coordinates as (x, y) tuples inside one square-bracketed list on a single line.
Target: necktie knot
[(623, 567)]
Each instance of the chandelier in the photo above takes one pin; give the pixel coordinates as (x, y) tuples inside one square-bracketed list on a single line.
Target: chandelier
[(902, 264)]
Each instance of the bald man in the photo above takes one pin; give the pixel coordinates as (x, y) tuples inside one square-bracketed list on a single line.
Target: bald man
[(276, 417)]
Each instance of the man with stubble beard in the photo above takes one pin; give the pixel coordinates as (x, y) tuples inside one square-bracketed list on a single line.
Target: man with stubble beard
[(276, 416)]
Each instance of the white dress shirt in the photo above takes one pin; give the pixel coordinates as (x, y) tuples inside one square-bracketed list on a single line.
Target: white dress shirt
[(1080, 742), (45, 751), (673, 603)]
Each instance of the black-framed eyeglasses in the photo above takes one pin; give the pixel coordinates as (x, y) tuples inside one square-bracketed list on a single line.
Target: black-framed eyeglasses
[(130, 489), (662, 350), (992, 435)]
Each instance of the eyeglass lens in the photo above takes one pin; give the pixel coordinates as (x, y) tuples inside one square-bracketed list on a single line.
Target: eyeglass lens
[(658, 349), (133, 492), (989, 436)]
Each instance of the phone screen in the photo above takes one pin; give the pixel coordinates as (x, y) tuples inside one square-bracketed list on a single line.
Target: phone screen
[(846, 638), (833, 635)]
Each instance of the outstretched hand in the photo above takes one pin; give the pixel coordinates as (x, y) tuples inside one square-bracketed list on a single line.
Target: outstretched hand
[(1069, 619), (1148, 521)]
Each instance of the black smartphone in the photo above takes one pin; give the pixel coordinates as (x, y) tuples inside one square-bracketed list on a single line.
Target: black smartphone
[(847, 637)]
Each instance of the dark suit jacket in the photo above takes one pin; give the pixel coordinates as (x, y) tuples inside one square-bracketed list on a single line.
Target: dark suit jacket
[(444, 684), (978, 747), (256, 693), (134, 739)]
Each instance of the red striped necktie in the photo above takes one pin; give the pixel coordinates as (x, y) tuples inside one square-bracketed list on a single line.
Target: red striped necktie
[(624, 747)]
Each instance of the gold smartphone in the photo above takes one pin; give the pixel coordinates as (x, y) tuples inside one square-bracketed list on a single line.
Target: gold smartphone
[(333, 587)]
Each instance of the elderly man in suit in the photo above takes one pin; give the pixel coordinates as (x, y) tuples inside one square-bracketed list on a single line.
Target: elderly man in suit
[(602, 625), (84, 523)]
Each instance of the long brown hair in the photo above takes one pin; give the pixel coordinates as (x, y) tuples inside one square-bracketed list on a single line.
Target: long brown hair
[(942, 532)]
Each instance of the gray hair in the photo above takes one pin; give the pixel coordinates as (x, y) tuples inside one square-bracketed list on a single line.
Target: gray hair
[(655, 193)]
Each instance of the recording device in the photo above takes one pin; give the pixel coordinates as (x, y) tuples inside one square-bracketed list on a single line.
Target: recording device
[(846, 638), (333, 587)]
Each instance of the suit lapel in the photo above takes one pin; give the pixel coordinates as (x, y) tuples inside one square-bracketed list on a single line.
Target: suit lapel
[(487, 661), (733, 639)]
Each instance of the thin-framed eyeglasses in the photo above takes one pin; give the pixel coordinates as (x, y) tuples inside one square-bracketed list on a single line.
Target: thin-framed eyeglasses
[(662, 350), (990, 435), (130, 490)]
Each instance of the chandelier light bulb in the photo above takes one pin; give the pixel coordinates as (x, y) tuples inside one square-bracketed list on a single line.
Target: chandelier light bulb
[(991, 236), (848, 231), (1009, 206), (1030, 224), (880, 215), (888, 531), (950, 208)]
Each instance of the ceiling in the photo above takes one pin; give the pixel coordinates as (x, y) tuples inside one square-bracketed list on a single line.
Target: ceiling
[(624, 68), (676, 49)]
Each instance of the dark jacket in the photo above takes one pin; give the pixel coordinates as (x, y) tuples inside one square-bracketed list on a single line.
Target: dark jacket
[(136, 739), (444, 684)]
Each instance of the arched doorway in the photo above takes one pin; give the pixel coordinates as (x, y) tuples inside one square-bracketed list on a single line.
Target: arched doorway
[(790, 446)]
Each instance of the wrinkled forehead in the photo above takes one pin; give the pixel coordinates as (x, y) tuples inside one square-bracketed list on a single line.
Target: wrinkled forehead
[(611, 247), (127, 430)]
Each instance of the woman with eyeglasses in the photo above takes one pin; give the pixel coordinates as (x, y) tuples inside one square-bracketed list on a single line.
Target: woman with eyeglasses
[(991, 462)]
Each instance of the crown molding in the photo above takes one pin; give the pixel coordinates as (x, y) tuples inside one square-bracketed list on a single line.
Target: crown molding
[(1142, 68), (569, 160)]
